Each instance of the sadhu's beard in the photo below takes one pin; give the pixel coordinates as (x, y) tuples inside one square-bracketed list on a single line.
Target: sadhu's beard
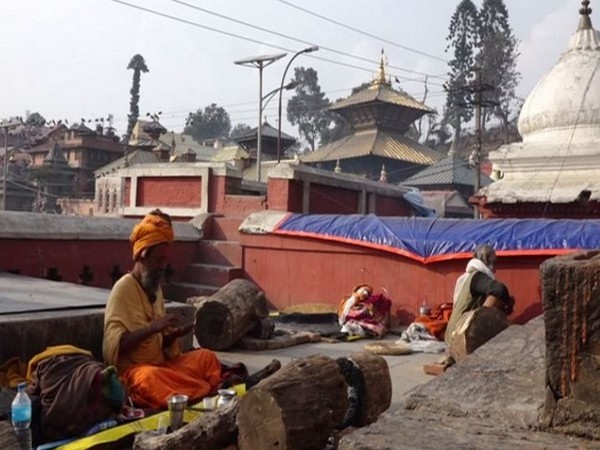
[(150, 280)]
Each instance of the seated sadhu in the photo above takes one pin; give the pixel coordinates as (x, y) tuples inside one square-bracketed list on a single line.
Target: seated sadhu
[(478, 287), (141, 339)]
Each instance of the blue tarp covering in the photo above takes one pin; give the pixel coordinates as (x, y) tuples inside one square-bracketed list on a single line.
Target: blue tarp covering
[(429, 240)]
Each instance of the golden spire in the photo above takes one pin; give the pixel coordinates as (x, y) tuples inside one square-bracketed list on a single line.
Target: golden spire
[(585, 22), (380, 78)]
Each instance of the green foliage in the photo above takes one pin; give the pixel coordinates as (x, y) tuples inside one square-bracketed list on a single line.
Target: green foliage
[(35, 119), (211, 123), (239, 130), (138, 65), (462, 39), (486, 40), (308, 107), (498, 53)]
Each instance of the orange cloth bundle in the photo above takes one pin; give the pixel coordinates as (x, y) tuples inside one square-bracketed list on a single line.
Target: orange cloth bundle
[(152, 230), (437, 321)]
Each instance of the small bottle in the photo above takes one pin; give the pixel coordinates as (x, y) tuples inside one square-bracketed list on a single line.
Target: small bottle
[(225, 397), (20, 415)]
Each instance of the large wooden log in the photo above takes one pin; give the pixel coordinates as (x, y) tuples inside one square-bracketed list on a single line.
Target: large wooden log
[(297, 408), (213, 430), (475, 328), (377, 393), (225, 317)]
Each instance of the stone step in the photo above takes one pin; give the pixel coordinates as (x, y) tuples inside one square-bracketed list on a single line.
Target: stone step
[(180, 292), (220, 252), (211, 274), (224, 229)]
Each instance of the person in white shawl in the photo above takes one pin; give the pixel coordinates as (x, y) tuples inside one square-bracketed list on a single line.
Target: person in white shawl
[(478, 287)]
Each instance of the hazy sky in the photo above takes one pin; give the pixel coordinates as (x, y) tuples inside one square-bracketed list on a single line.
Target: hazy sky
[(68, 58)]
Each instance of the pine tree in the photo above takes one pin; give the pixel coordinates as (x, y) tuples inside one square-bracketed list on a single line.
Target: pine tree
[(138, 65), (497, 57), (462, 39)]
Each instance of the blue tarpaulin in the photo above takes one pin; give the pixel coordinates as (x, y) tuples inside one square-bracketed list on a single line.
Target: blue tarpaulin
[(429, 240)]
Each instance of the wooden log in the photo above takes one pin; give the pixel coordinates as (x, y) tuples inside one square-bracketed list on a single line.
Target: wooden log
[(475, 328), (297, 408), (213, 430), (377, 393), (8, 438), (226, 316)]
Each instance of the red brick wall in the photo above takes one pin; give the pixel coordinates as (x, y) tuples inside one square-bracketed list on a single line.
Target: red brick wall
[(217, 187), (391, 206), (299, 270), (285, 195), (34, 257), (169, 191), (127, 192), (332, 200)]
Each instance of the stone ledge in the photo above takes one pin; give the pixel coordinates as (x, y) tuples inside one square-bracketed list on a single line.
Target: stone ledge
[(22, 225)]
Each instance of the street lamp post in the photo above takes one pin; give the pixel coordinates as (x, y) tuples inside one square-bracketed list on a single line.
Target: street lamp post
[(314, 48), (259, 62)]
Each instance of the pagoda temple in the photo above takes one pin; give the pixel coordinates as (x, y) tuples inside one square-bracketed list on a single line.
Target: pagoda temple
[(380, 118)]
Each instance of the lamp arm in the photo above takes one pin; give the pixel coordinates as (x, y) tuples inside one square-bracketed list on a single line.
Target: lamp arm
[(279, 109)]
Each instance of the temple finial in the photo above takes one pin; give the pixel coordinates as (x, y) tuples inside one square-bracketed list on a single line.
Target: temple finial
[(380, 78), (383, 175), (338, 167), (585, 22)]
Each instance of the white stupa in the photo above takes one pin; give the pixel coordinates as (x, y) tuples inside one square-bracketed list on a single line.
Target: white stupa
[(558, 161)]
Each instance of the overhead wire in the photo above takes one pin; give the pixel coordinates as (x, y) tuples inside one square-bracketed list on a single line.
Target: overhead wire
[(246, 38), (364, 33), (302, 41)]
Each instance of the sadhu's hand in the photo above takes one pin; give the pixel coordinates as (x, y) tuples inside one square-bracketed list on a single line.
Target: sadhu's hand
[(167, 321), (182, 331)]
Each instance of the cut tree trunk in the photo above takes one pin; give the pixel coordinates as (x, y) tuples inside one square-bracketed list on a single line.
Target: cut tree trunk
[(475, 328), (225, 317), (213, 430), (377, 394), (297, 408)]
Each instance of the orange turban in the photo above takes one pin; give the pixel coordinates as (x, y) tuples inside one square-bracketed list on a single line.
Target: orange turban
[(152, 230)]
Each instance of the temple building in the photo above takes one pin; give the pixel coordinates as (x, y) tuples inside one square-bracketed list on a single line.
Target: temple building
[(555, 171), (380, 118)]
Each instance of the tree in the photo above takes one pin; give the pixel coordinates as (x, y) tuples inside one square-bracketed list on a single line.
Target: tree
[(462, 38), (35, 119), (497, 57), (239, 130), (138, 65), (211, 123), (308, 107)]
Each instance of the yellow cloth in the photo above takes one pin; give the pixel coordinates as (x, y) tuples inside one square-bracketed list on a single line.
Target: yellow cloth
[(13, 372), (53, 351), (152, 230), (128, 309)]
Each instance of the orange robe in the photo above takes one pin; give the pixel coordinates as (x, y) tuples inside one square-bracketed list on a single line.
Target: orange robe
[(151, 373)]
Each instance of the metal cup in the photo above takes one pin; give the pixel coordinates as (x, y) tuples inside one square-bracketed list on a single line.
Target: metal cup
[(177, 405)]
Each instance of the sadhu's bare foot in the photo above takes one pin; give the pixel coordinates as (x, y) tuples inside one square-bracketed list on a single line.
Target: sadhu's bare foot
[(263, 373)]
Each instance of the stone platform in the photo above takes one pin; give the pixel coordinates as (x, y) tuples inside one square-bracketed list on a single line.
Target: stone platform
[(490, 400), (37, 313)]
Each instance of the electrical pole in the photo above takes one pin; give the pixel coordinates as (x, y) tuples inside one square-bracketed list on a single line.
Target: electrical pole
[(477, 159), (5, 125), (5, 170), (478, 88)]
